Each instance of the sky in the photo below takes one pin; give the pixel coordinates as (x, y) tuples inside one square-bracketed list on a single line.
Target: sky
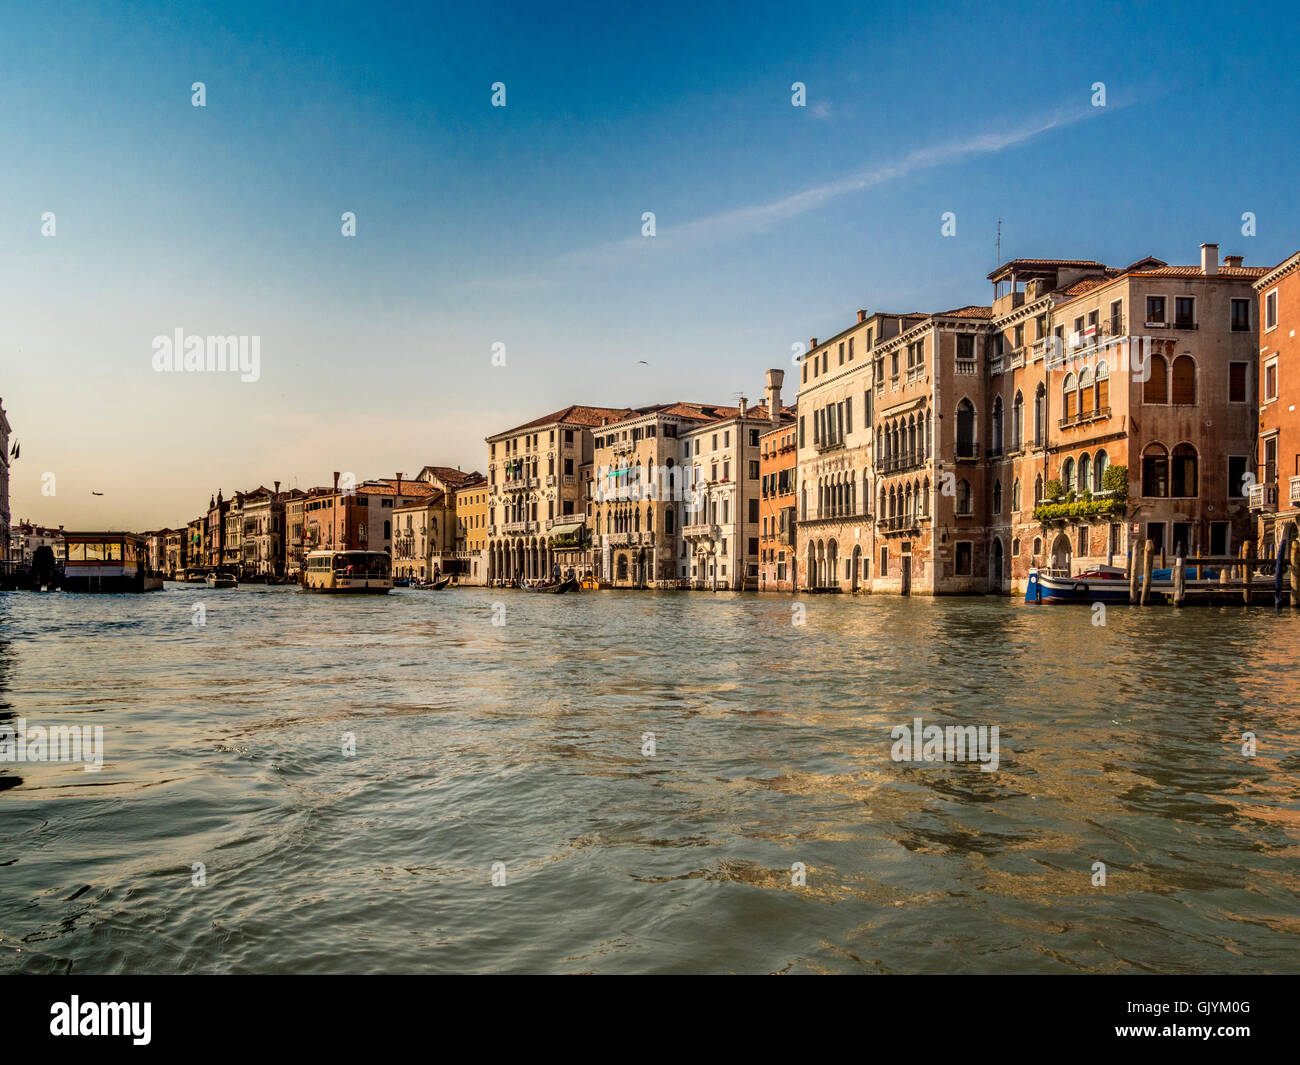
[(522, 226)]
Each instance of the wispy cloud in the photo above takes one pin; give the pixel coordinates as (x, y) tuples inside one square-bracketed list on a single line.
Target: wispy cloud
[(747, 221)]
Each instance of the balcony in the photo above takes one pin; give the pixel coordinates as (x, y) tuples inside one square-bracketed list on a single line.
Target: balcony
[(902, 523), (550, 480), (828, 445), (897, 463), (1294, 495), (836, 514), (967, 452), (966, 367), (515, 484), (1263, 498), (513, 527), (705, 531)]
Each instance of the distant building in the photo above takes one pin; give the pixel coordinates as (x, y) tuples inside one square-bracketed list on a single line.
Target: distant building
[(1275, 498), (536, 494), (26, 537), (777, 510), (471, 531), (4, 483)]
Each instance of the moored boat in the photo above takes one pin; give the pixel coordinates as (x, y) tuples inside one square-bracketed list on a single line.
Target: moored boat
[(219, 579)]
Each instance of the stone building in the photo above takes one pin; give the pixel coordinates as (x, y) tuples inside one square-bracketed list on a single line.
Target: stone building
[(720, 527), (536, 495), (471, 531)]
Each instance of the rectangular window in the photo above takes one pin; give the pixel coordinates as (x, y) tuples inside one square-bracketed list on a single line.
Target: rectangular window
[(1237, 382), (1219, 537), (1184, 312), (1238, 466), (841, 353), (801, 433), (966, 347), (1115, 531), (1083, 541), (884, 562), (1117, 318), (963, 558), (1241, 316), (850, 349), (1020, 336), (1182, 539), (1270, 311), (753, 470), (753, 546), (753, 438), (1156, 534), (1155, 310), (1270, 380)]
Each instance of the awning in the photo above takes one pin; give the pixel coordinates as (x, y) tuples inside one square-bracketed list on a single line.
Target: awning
[(567, 532)]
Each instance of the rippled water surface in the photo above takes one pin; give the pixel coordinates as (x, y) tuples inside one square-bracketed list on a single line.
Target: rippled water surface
[(522, 743)]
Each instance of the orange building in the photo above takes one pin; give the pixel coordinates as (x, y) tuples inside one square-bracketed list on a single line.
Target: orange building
[(1275, 496), (778, 450)]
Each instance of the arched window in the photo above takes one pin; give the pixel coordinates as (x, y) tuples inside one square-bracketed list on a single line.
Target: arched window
[(1183, 470), (1038, 489), (1155, 471), (1040, 414), (1184, 376), (1103, 387), (965, 429), (1156, 387), (1015, 497), (1017, 420), (1099, 470), (670, 521), (1069, 398), (963, 496), (997, 426), (997, 497), (1085, 473), (1067, 474), (925, 497), (1038, 546), (1085, 391)]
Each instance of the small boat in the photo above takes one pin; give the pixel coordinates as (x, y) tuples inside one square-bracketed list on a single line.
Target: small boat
[(221, 580), (553, 589), (591, 584), (401, 582), (195, 577)]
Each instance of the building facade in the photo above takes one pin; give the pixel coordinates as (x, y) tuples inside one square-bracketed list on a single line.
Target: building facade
[(536, 495), (471, 531), (1275, 497), (777, 511)]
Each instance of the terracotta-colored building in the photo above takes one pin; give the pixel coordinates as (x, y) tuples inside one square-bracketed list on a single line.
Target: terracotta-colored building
[(1275, 495), (778, 473)]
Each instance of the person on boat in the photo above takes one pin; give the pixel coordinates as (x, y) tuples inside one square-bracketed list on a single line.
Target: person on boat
[(555, 573)]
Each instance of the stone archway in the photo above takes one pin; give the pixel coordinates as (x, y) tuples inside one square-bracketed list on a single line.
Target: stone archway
[(1061, 553)]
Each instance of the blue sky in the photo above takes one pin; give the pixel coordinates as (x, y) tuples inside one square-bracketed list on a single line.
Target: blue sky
[(521, 225)]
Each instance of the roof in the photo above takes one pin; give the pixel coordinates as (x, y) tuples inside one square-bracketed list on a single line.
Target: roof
[(1242, 272), (424, 501), (385, 486), (452, 477), (574, 415), (971, 311), (1032, 266), (1286, 266)]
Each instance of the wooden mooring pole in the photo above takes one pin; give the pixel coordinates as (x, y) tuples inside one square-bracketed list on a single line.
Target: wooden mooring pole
[(1248, 553), (1148, 558), (1180, 581), (1132, 575)]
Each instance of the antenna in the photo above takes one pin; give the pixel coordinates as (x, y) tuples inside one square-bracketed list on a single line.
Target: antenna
[(999, 262)]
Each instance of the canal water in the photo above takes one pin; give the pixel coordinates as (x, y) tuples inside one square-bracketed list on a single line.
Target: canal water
[(670, 783)]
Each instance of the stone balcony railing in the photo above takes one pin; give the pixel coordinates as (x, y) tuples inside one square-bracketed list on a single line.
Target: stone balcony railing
[(703, 531), (1294, 493)]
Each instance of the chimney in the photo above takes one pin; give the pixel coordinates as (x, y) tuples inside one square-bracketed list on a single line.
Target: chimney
[(1209, 259), (862, 317), (744, 406), (399, 482), (1234, 261), (277, 488), (812, 343), (774, 379)]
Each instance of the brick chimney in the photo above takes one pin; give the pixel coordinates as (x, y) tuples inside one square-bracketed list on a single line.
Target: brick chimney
[(1234, 261), (773, 390), (399, 483), (1209, 259), (862, 317), (744, 406), (812, 343), (277, 488)]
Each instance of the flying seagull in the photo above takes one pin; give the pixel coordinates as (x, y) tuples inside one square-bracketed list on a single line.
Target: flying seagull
[(642, 362), (94, 493)]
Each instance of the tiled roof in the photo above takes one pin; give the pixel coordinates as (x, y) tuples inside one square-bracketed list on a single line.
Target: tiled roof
[(576, 415), (1087, 284), (449, 476), (971, 311), (1243, 272), (388, 487)]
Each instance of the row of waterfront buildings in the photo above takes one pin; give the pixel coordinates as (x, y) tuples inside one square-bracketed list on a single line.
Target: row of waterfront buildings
[(1086, 409)]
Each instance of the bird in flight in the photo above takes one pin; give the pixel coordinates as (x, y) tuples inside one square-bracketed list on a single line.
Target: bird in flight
[(94, 493), (642, 362)]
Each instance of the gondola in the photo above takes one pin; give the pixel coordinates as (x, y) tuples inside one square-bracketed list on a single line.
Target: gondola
[(553, 589)]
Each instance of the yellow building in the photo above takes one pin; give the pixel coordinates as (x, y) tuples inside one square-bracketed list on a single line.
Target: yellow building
[(472, 531)]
